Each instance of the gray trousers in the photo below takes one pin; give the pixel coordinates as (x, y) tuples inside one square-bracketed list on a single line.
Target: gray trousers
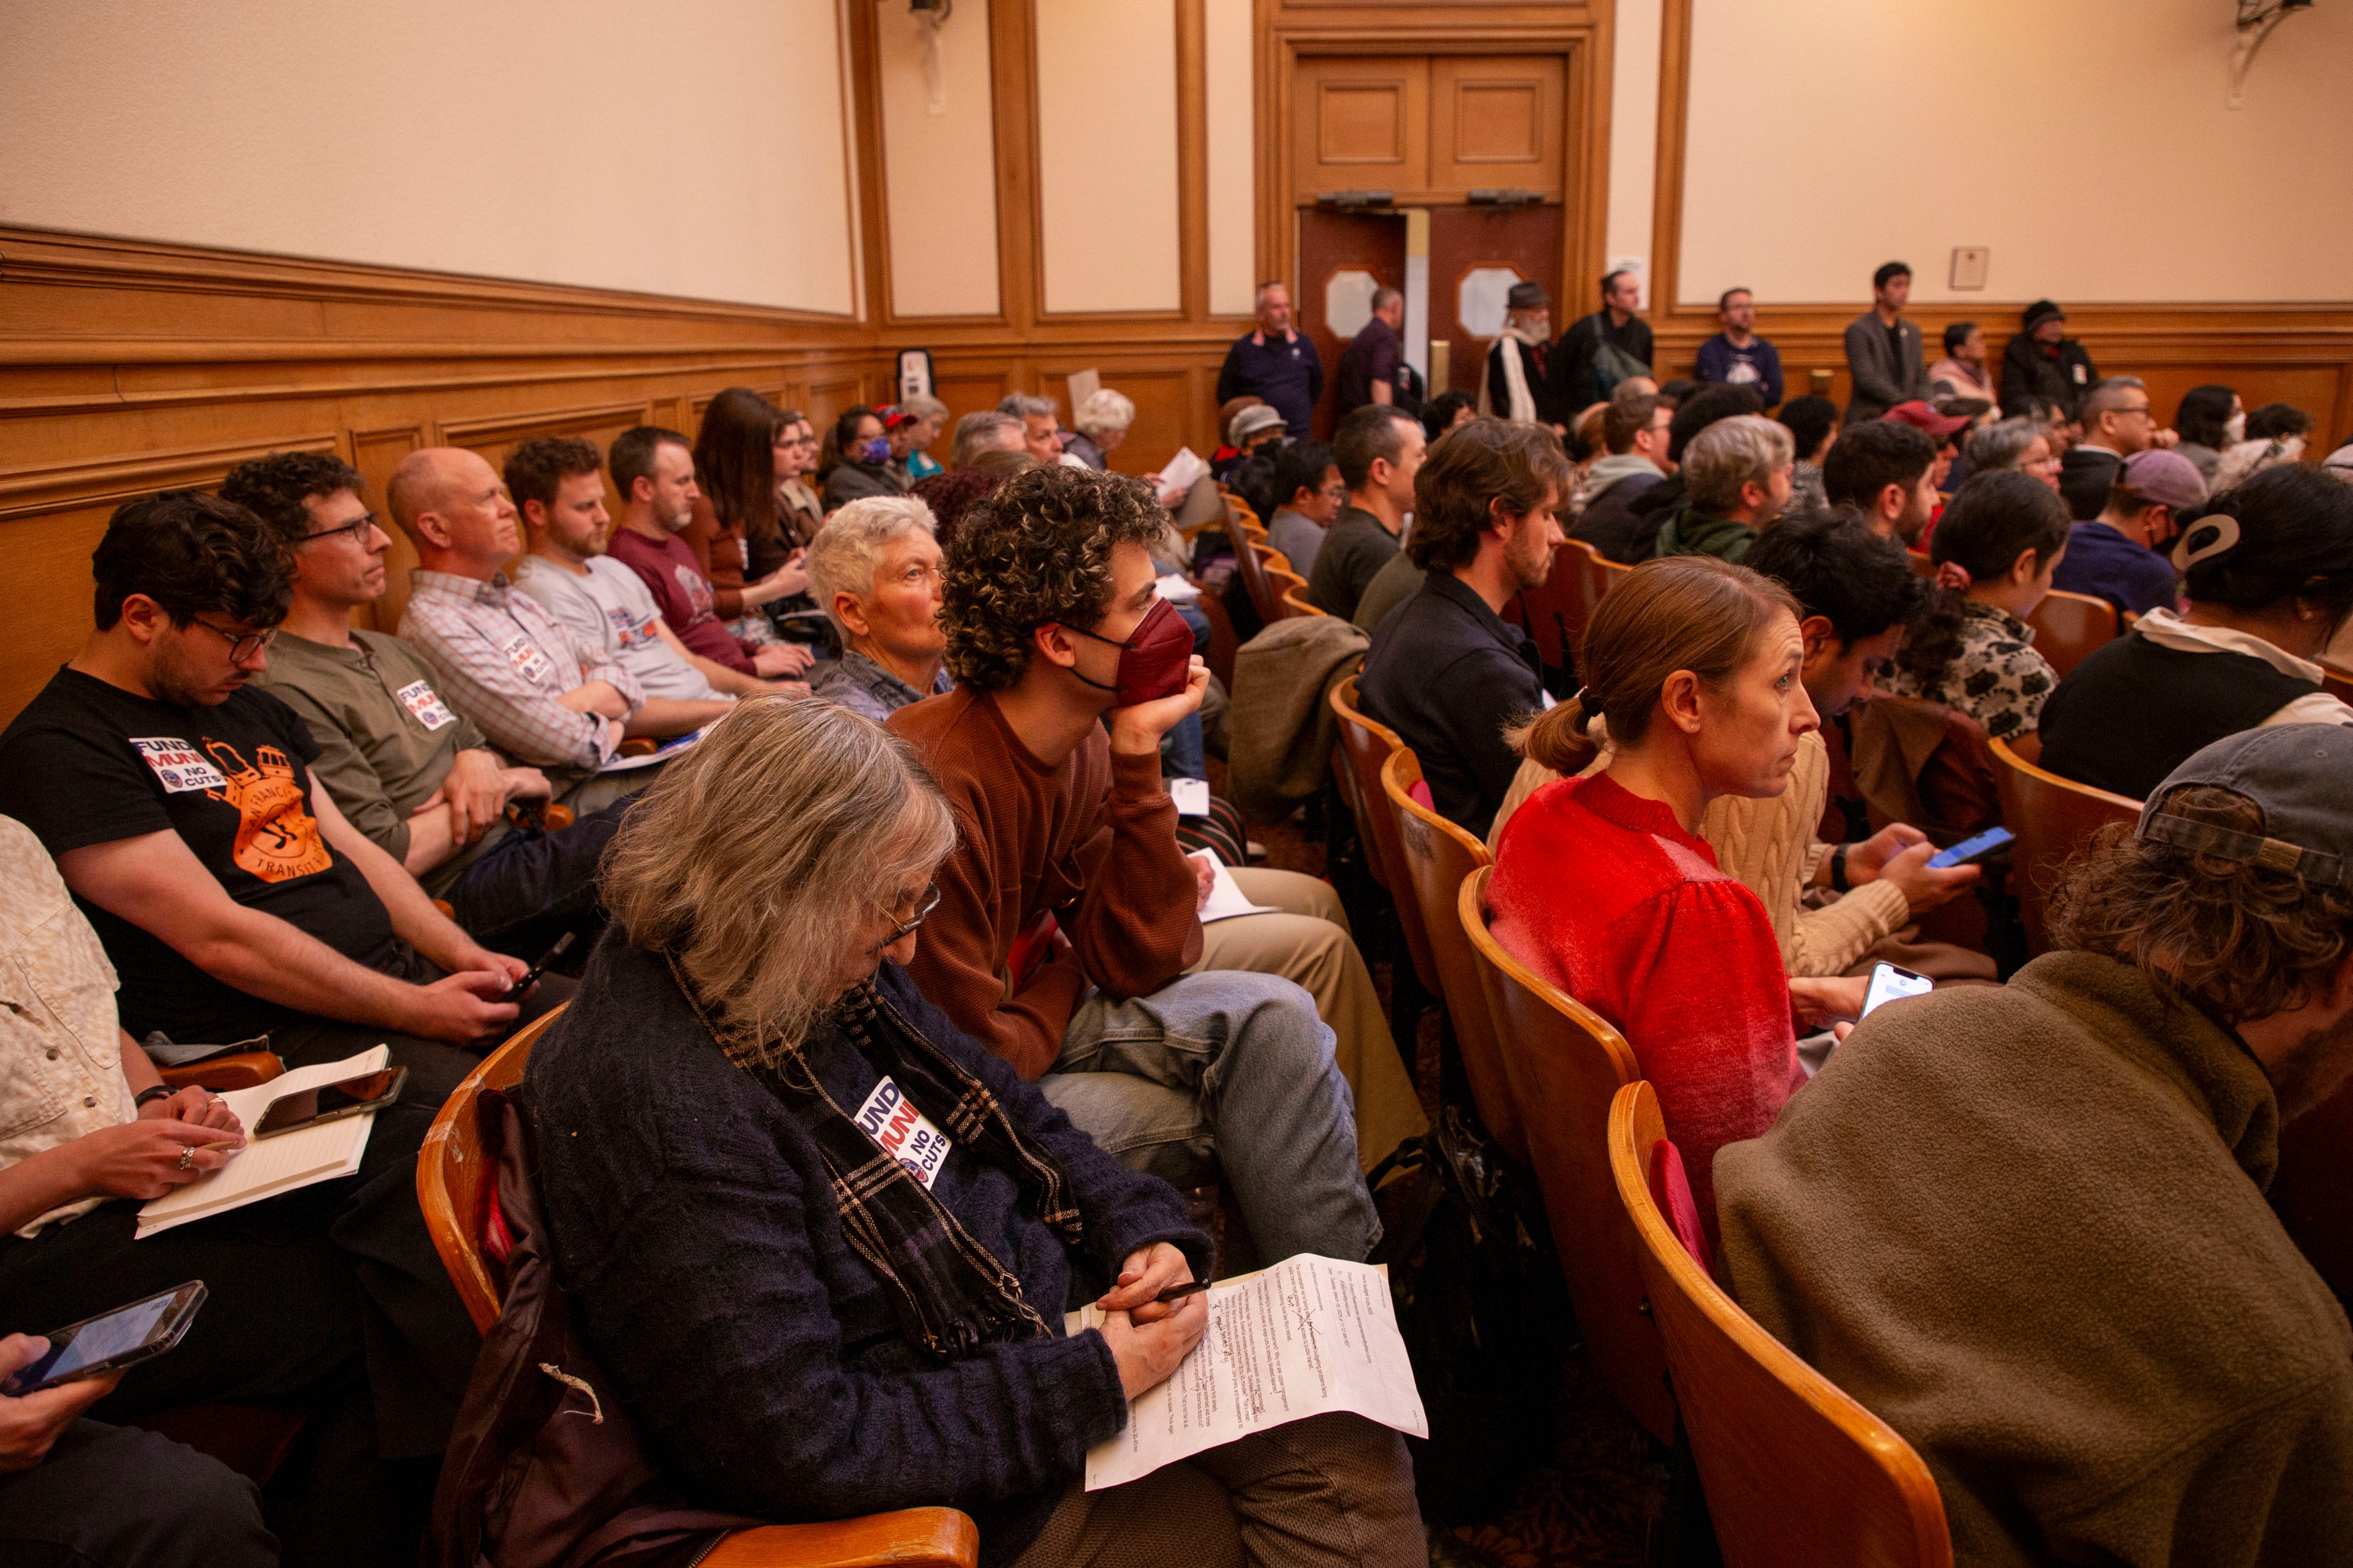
[(116, 1497)]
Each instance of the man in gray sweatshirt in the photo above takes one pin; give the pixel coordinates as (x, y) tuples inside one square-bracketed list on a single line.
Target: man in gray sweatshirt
[(1634, 429)]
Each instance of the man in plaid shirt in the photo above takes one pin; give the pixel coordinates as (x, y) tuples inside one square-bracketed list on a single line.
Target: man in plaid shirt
[(505, 662)]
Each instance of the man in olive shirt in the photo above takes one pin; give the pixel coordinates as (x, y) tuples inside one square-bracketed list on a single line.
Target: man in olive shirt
[(1378, 450), (405, 767)]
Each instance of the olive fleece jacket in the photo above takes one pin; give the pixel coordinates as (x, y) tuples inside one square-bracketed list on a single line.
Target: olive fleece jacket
[(2026, 1226)]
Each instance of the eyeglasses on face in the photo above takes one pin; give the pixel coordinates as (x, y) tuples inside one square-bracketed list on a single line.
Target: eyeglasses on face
[(240, 646), (902, 928), (367, 520)]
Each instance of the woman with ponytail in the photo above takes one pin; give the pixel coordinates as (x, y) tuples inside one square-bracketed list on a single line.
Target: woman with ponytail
[(2268, 570), (1603, 886), (1970, 649)]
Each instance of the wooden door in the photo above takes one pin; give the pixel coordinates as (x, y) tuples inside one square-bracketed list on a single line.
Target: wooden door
[(1497, 122), (1342, 257), (1361, 124), (1473, 254)]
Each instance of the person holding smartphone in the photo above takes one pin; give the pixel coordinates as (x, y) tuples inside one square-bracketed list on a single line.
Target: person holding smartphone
[(330, 1298)]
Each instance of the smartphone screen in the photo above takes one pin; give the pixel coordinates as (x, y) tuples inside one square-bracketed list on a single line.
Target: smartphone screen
[(1969, 849), (155, 1323), (1887, 982), (328, 1101)]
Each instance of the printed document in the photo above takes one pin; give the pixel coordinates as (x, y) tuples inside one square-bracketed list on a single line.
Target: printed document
[(266, 1167), (1308, 1336)]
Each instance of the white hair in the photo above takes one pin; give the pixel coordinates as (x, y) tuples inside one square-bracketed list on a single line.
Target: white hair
[(1104, 410), (1730, 453), (847, 551), (924, 407), (1022, 405)]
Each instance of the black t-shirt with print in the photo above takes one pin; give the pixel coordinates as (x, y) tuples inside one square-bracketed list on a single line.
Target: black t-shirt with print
[(86, 763)]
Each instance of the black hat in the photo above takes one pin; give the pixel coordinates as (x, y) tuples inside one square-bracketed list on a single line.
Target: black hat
[(1527, 296), (2041, 311)]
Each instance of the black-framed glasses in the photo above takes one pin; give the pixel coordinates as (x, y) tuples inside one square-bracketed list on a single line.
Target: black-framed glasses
[(366, 522), (901, 930), (240, 647)]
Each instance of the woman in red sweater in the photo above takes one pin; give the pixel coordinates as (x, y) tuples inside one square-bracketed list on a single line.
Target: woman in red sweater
[(1603, 886)]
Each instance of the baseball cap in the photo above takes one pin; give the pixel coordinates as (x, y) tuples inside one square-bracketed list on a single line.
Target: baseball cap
[(2166, 477), (893, 416), (2294, 775), (1252, 421), (1920, 416)]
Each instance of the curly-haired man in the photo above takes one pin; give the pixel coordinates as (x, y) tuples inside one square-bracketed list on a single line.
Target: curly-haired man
[(1067, 935), (2026, 1226)]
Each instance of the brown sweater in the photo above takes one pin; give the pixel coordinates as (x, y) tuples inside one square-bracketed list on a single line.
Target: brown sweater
[(1091, 840), (2025, 1226)]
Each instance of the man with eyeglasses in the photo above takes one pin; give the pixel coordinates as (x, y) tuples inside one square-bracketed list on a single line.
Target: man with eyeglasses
[(233, 897), (2118, 422), (407, 769)]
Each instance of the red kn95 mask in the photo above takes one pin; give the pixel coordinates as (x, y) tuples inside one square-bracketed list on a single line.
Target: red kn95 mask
[(1155, 661)]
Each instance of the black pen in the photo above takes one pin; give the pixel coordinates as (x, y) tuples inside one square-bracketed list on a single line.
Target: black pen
[(1178, 1292)]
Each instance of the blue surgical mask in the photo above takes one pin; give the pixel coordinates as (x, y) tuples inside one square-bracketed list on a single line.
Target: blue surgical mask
[(875, 451)]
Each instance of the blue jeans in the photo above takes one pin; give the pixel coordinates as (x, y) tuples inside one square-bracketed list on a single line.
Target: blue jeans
[(1182, 749), (1237, 1062)]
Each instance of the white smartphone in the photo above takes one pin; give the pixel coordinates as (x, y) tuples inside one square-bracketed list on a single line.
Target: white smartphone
[(1888, 982)]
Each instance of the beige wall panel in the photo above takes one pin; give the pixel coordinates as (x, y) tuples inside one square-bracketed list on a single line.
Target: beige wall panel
[(553, 140), (1633, 134), (1232, 157), (939, 169), (1107, 154), (2086, 143)]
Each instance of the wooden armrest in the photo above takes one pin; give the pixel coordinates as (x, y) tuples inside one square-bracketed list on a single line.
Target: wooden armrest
[(638, 746), (238, 1069), (557, 816), (448, 911), (911, 1538)]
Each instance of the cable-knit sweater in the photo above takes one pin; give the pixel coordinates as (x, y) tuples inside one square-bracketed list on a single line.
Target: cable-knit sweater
[(1769, 846), (1602, 892)]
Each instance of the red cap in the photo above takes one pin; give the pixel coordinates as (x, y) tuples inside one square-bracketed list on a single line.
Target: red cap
[(892, 416), (1920, 416)]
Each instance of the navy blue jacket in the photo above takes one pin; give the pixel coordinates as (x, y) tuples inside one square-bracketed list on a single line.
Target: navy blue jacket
[(1288, 374), (1717, 356), (696, 1234), (2126, 573), (1448, 674)]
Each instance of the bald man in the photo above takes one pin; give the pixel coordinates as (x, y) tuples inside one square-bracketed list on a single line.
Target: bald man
[(504, 662)]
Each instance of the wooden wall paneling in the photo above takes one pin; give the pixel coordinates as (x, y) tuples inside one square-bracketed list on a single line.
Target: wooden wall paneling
[(376, 453), (1361, 124), (1497, 120), (1163, 398), (1192, 158)]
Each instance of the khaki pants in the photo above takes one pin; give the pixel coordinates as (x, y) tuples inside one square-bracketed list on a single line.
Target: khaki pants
[(1308, 944), (1327, 1490)]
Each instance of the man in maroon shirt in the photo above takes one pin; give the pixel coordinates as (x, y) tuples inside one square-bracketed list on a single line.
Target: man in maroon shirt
[(654, 470)]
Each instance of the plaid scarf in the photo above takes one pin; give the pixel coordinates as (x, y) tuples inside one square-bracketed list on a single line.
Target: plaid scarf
[(950, 1294)]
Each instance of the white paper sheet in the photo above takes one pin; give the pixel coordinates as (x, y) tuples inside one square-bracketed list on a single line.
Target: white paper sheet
[(266, 1167), (1191, 795), (1306, 1337), (1177, 588), (660, 753), (1227, 899), (1182, 471)]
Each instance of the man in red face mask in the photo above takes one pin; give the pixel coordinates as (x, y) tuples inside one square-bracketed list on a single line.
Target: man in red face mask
[(1069, 933)]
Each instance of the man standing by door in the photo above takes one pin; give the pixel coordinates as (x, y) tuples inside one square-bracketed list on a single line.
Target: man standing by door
[(1275, 362), (1517, 385), (1369, 366), (1883, 349), (1603, 349)]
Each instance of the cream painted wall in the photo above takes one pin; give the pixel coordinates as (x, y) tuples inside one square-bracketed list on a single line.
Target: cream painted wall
[(553, 140), (1107, 154), (1633, 136), (939, 169), (2086, 143), (1227, 48)]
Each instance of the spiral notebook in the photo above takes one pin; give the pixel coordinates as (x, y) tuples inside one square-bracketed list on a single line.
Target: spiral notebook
[(268, 1166)]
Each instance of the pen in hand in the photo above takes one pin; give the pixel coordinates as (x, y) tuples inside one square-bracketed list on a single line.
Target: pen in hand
[(1178, 1292)]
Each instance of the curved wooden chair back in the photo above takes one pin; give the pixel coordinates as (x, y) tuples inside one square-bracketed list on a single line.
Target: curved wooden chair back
[(1368, 746), (1294, 602), (1439, 857), (1606, 572), (1923, 564), (2052, 818), (1555, 612), (2337, 681), (1795, 1473), (451, 1170), (1251, 565), (2069, 628), (1565, 1065)]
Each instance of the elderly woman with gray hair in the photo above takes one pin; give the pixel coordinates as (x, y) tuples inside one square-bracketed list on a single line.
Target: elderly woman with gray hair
[(1102, 423), (2021, 446), (874, 569), (808, 1326)]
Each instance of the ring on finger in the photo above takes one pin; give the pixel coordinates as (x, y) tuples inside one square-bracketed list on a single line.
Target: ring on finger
[(187, 1156)]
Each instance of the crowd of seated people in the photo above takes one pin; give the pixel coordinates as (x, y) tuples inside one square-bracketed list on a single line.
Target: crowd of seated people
[(935, 711)]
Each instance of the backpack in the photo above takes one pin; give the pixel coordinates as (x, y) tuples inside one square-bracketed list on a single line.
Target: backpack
[(545, 1468), (1483, 1311), (1612, 364)]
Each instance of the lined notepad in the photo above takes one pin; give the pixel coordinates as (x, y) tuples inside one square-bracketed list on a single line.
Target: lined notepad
[(268, 1166)]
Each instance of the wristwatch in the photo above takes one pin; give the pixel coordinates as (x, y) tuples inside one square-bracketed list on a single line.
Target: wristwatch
[(153, 1091)]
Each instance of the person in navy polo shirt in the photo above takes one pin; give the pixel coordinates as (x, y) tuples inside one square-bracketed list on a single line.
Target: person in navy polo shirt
[(1276, 363)]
